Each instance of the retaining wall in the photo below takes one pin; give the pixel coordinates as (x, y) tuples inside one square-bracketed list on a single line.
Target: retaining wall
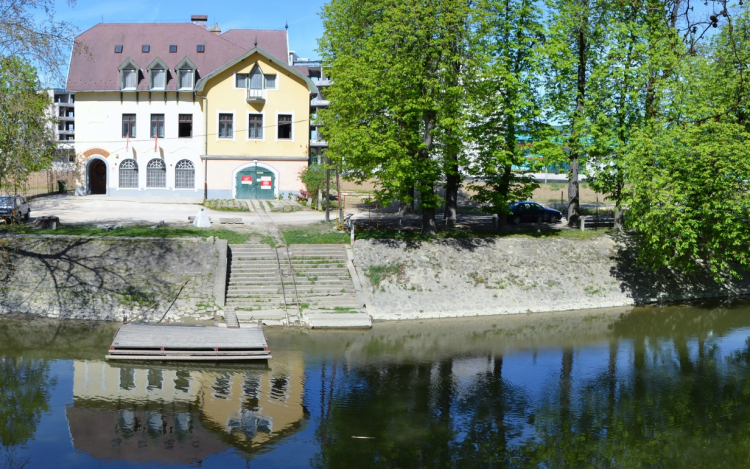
[(471, 277), (110, 277)]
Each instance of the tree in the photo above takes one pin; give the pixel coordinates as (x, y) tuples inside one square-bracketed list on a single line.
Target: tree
[(503, 83), (26, 139), (393, 102), (28, 30), (314, 177)]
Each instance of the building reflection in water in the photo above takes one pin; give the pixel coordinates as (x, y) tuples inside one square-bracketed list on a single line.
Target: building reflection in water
[(180, 414)]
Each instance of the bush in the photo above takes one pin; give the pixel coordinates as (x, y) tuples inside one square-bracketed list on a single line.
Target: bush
[(314, 179)]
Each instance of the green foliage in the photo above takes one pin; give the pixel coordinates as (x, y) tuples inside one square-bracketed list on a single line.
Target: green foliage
[(314, 179), (689, 198), (25, 387), (396, 93), (321, 233), (230, 236), (26, 138)]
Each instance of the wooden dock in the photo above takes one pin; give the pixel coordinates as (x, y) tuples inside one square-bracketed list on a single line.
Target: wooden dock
[(188, 343)]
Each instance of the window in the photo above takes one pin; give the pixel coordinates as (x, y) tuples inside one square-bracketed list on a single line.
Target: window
[(128, 126), (225, 125), (173, 49), (156, 173), (128, 174), (157, 125), (285, 127), (145, 48), (240, 80), (255, 126), (185, 126), (201, 48), (185, 78), (256, 79), (271, 82), (157, 79), (184, 175), (129, 80), (118, 49)]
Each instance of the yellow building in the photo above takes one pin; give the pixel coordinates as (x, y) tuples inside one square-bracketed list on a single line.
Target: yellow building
[(257, 115)]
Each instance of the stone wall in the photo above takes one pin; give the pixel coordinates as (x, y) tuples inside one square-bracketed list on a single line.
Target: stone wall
[(470, 277), (110, 277)]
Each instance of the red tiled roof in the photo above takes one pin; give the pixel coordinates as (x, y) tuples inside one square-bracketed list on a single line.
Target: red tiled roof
[(272, 41), (94, 66)]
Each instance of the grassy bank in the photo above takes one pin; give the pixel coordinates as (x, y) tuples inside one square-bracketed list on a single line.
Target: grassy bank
[(232, 237)]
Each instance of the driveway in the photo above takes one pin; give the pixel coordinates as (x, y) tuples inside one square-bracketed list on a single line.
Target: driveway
[(100, 209)]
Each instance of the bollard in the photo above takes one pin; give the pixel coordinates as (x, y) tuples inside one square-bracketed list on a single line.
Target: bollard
[(351, 240), (494, 222), (583, 223)]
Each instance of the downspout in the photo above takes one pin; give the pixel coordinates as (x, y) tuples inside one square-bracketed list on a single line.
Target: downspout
[(205, 142)]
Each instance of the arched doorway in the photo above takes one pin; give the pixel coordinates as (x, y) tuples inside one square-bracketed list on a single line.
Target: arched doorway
[(255, 181), (97, 177)]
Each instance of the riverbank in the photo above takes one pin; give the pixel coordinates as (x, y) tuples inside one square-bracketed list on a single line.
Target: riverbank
[(511, 275), (110, 278)]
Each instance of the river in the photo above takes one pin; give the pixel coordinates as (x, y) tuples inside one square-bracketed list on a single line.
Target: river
[(629, 387)]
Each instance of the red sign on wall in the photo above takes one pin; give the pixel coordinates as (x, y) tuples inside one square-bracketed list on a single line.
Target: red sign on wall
[(247, 179), (265, 182)]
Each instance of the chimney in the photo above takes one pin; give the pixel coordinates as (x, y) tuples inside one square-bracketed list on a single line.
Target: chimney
[(215, 28), (199, 20)]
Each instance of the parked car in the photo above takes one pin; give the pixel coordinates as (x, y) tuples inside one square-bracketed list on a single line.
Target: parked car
[(531, 211), (14, 208)]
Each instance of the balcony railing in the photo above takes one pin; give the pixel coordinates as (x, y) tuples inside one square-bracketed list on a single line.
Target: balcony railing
[(256, 96)]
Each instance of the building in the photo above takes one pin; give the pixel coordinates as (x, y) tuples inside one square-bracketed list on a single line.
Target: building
[(315, 70), (182, 109), (63, 110)]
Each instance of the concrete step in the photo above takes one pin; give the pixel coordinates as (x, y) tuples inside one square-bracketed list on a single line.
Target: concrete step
[(334, 320)]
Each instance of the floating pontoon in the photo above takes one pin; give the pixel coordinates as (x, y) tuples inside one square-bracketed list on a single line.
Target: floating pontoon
[(188, 343)]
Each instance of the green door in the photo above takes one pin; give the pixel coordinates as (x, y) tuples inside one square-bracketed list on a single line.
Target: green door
[(255, 183)]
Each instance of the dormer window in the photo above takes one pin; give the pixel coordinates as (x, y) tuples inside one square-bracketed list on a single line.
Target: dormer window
[(158, 79), (129, 75), (118, 49), (201, 48), (173, 49), (129, 79), (157, 75), (145, 48), (185, 79), (185, 71)]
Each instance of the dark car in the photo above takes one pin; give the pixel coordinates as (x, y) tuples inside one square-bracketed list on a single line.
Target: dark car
[(531, 212), (13, 208)]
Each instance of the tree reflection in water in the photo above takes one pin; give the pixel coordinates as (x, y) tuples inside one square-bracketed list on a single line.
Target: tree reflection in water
[(663, 391), (25, 386)]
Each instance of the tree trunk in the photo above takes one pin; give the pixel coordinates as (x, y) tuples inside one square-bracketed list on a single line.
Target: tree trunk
[(428, 221), (619, 218), (427, 190), (574, 208), (452, 181), (573, 186)]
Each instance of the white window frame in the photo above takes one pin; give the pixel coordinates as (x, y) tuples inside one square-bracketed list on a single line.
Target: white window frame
[(276, 87), (234, 126), (247, 76), (153, 79), (247, 127), (191, 74), (195, 176), (129, 88), (276, 133)]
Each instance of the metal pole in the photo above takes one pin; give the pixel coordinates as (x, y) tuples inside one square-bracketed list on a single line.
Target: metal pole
[(338, 189), (328, 194), (596, 226)]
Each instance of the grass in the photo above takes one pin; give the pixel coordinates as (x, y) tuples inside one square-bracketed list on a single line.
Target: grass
[(379, 273), (230, 236), (416, 236), (318, 233), (227, 205)]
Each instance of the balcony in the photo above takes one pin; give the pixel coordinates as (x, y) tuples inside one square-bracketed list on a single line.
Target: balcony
[(319, 102), (256, 96), (318, 144)]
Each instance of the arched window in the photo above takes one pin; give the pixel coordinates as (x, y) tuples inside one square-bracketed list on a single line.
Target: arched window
[(256, 79), (156, 173), (184, 175), (129, 174)]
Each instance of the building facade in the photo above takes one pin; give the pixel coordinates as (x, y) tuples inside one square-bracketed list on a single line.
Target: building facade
[(181, 110)]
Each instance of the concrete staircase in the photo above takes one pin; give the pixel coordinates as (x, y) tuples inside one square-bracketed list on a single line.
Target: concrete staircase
[(255, 291), (320, 273)]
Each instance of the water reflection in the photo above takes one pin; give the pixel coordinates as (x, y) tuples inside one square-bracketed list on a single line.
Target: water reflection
[(144, 413), (645, 387)]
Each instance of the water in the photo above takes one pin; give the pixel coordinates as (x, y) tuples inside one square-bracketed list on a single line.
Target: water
[(646, 387)]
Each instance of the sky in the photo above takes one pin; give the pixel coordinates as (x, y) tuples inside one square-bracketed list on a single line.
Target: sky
[(302, 16)]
